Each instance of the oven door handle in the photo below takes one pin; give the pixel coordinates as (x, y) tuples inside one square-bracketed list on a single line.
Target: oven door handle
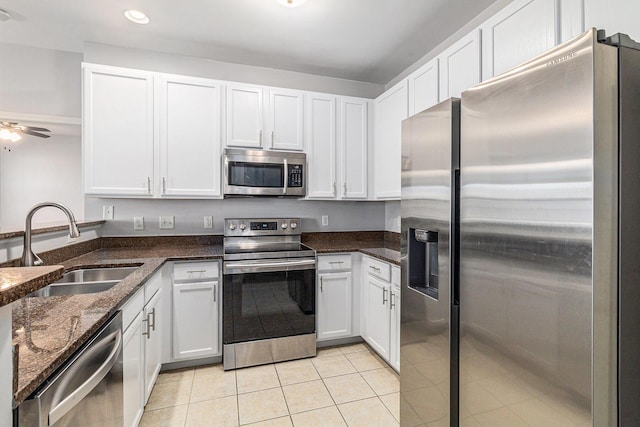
[(267, 266)]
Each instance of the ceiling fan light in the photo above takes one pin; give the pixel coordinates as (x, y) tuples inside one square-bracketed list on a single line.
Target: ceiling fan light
[(5, 134), (15, 137), (136, 16), (291, 3)]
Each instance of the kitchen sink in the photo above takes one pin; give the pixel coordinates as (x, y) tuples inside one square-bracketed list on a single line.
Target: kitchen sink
[(74, 288), (87, 275), (85, 281)]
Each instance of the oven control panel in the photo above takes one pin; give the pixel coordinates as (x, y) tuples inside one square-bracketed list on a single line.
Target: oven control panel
[(262, 227)]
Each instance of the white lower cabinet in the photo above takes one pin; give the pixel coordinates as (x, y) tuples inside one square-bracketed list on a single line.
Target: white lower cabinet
[(195, 310), (142, 348), (133, 372), (381, 301), (337, 297), (394, 306), (334, 305), (153, 343), (195, 314), (378, 327)]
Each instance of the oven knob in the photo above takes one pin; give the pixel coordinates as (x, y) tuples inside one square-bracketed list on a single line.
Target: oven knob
[(243, 227), (232, 226), (294, 225), (284, 226)]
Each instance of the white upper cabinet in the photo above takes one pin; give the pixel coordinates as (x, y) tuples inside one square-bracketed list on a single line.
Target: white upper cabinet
[(460, 66), (189, 137), (286, 120), (118, 137), (390, 109), (572, 14), (245, 116), (354, 147), (520, 31), (321, 146), (423, 87)]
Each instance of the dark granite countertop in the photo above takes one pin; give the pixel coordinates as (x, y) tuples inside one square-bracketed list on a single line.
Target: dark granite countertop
[(16, 282), (48, 330)]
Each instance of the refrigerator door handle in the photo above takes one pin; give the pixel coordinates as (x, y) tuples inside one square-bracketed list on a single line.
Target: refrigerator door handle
[(455, 241)]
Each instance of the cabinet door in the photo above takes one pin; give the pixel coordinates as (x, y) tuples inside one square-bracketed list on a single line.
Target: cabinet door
[(117, 131), (334, 305), (394, 351), (189, 137), (286, 119), (378, 321), (153, 343), (520, 31), (354, 142), (244, 116), (321, 143), (460, 66), (390, 109), (133, 372), (195, 319), (424, 87)]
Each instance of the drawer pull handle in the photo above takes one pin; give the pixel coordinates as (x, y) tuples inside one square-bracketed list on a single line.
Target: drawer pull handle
[(374, 268), (321, 283), (336, 262), (196, 271)]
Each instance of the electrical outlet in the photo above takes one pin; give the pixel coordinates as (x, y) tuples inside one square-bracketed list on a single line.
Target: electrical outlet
[(107, 212), (138, 223), (166, 222), (208, 221), (325, 220)]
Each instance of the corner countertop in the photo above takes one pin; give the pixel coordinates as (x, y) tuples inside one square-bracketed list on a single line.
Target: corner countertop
[(16, 282), (48, 330)]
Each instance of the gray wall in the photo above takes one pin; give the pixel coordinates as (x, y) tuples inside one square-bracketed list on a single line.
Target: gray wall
[(200, 67), (189, 214)]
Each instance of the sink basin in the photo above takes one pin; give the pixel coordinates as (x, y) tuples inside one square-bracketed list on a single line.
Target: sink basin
[(74, 289), (87, 275), (85, 281)]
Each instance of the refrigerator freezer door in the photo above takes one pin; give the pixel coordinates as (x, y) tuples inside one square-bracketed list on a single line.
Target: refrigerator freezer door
[(429, 140), (527, 237)]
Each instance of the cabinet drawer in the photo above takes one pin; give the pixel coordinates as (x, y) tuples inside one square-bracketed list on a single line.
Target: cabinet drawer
[(334, 262), (195, 271), (379, 269), (132, 308)]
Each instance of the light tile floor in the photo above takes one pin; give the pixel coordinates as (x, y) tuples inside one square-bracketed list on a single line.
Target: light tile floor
[(342, 386)]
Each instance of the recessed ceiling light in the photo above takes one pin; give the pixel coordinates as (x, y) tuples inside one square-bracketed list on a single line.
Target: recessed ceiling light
[(291, 3), (136, 16)]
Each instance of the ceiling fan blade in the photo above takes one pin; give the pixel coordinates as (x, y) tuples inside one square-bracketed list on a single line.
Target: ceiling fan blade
[(33, 128), (41, 135)]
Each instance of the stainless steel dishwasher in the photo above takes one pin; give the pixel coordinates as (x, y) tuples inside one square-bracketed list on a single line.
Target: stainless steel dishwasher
[(87, 390)]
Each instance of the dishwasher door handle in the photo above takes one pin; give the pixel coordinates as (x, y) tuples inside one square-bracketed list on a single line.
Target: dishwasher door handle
[(75, 397)]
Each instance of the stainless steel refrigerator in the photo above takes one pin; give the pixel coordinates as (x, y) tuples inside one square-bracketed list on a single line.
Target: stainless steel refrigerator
[(543, 325)]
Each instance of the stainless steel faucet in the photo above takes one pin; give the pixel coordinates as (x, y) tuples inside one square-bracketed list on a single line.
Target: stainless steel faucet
[(28, 257)]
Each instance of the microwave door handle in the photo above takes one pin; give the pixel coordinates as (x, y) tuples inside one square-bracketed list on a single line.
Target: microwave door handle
[(286, 176)]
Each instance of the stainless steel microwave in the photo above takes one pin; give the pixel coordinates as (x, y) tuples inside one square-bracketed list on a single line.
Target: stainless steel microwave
[(264, 173)]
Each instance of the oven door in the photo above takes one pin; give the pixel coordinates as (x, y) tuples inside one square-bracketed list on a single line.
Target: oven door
[(264, 299)]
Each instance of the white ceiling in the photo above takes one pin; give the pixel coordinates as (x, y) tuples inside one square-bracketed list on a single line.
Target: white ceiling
[(365, 40)]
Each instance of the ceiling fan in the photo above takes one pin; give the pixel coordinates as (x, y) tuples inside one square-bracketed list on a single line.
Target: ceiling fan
[(11, 131)]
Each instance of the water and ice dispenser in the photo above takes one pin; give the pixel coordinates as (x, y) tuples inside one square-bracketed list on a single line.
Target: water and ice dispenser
[(423, 261)]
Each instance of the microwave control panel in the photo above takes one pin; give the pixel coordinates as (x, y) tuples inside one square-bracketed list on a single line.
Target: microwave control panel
[(295, 176)]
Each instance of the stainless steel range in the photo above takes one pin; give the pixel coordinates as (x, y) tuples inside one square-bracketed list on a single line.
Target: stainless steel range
[(268, 293)]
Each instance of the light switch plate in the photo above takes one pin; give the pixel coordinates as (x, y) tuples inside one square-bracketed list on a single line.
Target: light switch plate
[(138, 223), (166, 222), (208, 221)]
